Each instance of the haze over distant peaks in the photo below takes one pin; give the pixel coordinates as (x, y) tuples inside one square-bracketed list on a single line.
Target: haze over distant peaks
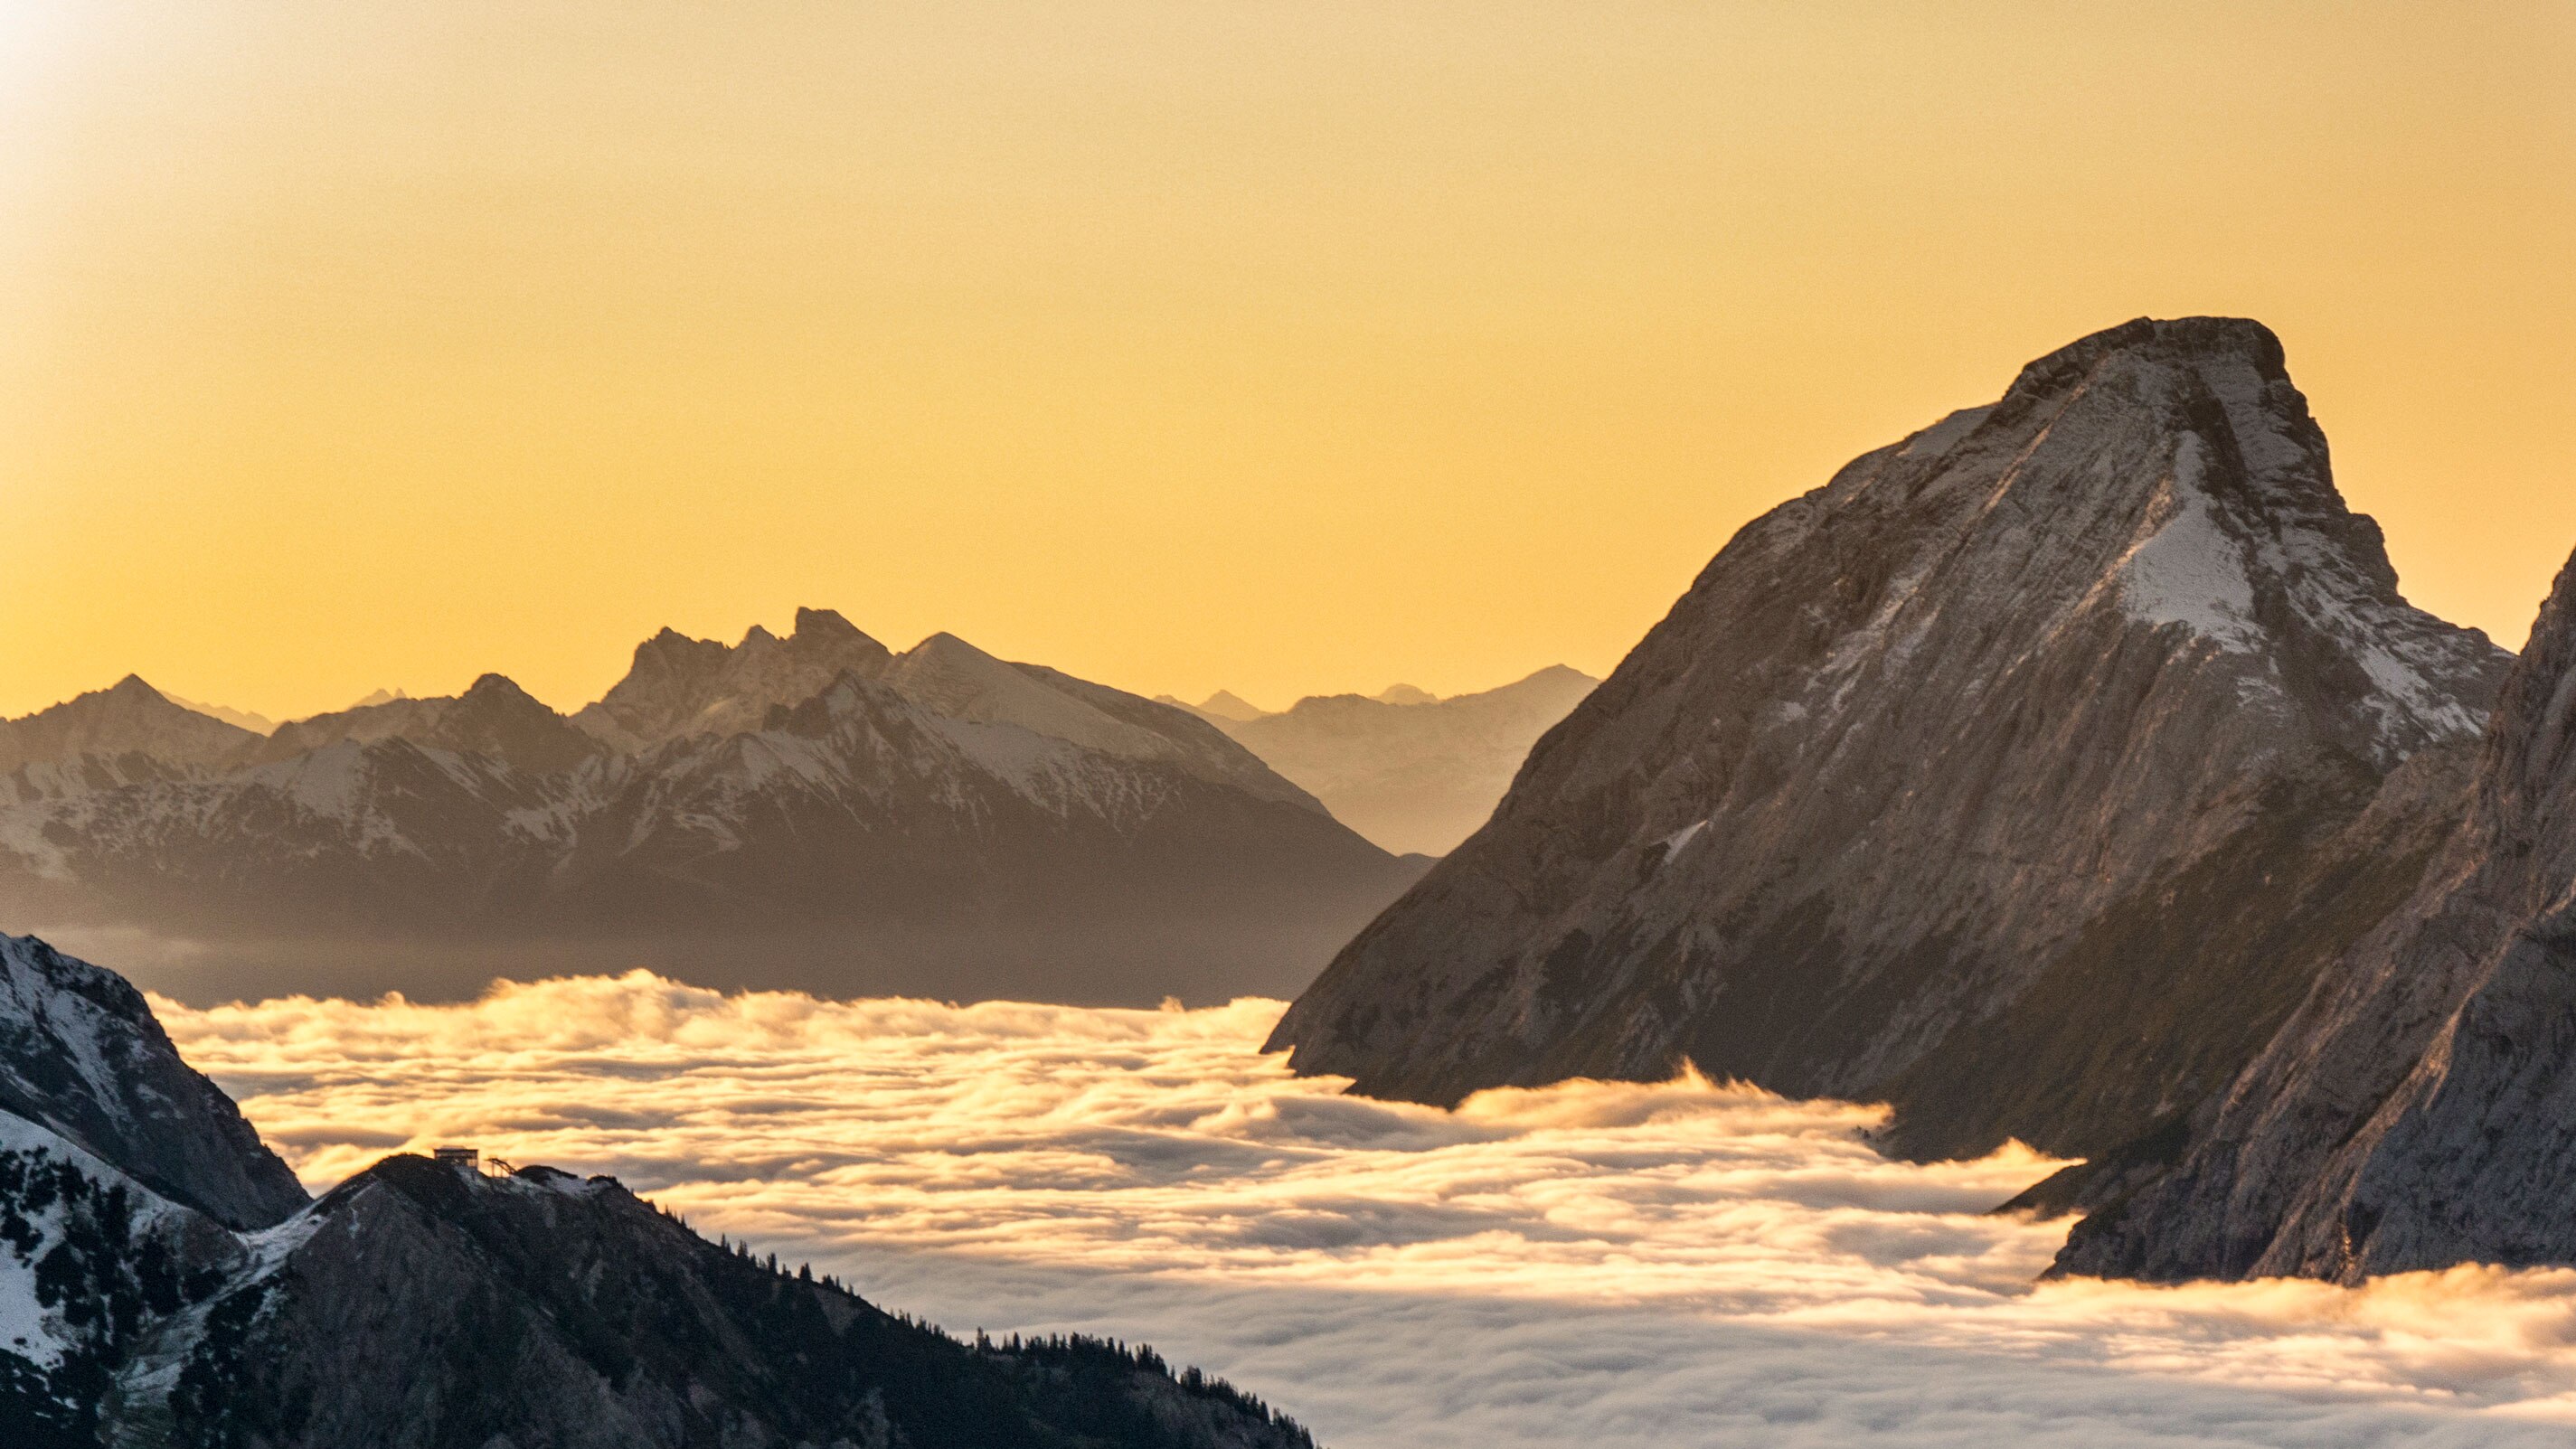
[(258, 724), (839, 805), (1409, 770), (129, 727)]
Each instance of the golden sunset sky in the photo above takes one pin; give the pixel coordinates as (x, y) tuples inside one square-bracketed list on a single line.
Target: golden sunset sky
[(1284, 347)]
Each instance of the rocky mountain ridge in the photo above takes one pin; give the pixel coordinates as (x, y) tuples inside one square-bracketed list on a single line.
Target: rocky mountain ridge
[(905, 813), (1917, 792)]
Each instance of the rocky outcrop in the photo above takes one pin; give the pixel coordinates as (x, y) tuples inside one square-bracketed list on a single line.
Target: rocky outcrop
[(1926, 788), (82, 1057), (424, 1304), (679, 686), (2419, 1110), (1414, 773)]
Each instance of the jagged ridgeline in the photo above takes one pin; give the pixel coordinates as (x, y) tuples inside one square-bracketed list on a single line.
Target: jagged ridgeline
[(733, 812), (2026, 775), (164, 1281), (2420, 1108)]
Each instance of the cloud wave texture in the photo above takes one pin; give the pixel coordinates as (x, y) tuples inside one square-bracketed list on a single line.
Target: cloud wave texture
[(1610, 1265)]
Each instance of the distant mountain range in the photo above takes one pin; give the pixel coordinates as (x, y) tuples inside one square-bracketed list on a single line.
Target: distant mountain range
[(1414, 772), (810, 811), (164, 1280)]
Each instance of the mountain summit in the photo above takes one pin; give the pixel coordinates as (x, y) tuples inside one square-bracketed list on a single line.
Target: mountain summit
[(2024, 776)]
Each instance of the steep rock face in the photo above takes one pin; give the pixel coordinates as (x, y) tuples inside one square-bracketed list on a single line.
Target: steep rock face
[(132, 718), (679, 686), (2419, 1110), (1917, 792), (82, 1057), (1411, 772)]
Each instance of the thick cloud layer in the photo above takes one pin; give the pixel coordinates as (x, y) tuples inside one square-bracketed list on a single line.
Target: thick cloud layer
[(1608, 1265)]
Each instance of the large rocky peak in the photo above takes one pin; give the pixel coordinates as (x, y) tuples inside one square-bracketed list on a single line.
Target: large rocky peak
[(679, 686), (82, 1056), (1917, 791), (129, 718), (2419, 1109)]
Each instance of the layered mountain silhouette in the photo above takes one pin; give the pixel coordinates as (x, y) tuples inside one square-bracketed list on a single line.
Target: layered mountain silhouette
[(2025, 776), (1414, 772), (164, 1280), (809, 811)]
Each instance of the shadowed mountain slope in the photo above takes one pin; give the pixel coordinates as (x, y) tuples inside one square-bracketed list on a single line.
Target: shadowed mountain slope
[(2420, 1108), (1928, 787)]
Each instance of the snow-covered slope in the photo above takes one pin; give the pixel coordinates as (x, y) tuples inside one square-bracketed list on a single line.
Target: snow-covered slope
[(81, 1055), (2024, 775)]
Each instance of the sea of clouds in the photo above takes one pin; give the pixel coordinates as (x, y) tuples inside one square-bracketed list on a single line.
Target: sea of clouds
[(1603, 1265)]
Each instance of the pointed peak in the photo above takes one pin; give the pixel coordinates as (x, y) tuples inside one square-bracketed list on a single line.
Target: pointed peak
[(824, 623), (944, 645), (757, 634), (1226, 704), (133, 687), (499, 689)]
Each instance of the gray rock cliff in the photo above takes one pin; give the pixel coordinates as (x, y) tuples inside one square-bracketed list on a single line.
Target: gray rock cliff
[(2419, 1110), (1933, 785)]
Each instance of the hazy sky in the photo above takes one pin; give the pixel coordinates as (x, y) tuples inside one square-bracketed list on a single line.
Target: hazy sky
[(1287, 347)]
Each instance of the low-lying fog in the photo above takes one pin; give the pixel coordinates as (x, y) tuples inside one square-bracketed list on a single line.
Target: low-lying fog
[(1593, 1264)]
